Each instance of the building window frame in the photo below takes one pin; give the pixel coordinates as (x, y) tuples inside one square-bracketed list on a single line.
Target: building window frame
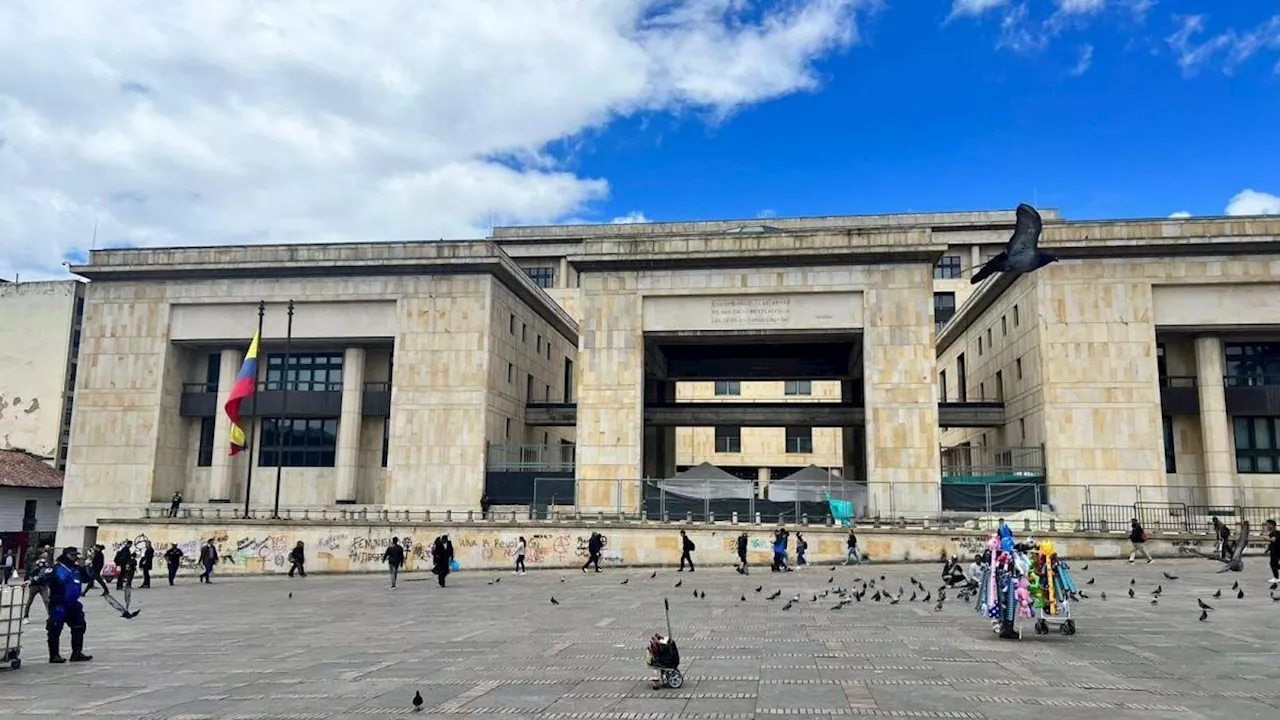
[(728, 388), (797, 387), (944, 308), (305, 372), (1257, 445), (942, 385), (948, 267), (799, 440), (543, 277), (307, 442), (1170, 449), (728, 439), (204, 447), (386, 440)]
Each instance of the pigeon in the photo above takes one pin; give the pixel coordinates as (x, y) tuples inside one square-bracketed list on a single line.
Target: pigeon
[(759, 588), (1083, 596), (554, 601), (624, 582), (497, 580), (913, 580), (1104, 595), (1204, 615), (1159, 589), (876, 597), (1090, 582), (881, 578), (679, 583), (775, 595), (1155, 600), (1240, 595), (1132, 581), (290, 596), (743, 598), (1273, 598), (938, 607), (894, 601), (929, 596), (1235, 585), (1169, 576), (815, 598), (1217, 593), (703, 595), (1131, 593), (913, 598), (695, 593), (1203, 605), (831, 579), (1023, 254), (1084, 567), (653, 575), (417, 701), (787, 606)]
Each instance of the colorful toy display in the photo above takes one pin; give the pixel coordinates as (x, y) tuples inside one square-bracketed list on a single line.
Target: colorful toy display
[(1024, 581)]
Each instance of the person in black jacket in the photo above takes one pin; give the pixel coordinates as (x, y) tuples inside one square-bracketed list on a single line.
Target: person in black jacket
[(686, 549), (1223, 534), (298, 560), (208, 560), (66, 581), (145, 563), (97, 561), (126, 565), (742, 554), (1273, 551), (594, 545), (173, 558), (1138, 538), (394, 558), (441, 557)]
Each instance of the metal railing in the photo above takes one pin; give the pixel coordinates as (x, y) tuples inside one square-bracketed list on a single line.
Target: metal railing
[(1178, 381), (961, 463), (1251, 380), (530, 458), (277, 385)]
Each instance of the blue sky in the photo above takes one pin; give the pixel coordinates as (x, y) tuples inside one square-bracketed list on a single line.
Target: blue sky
[(930, 115), (243, 122)]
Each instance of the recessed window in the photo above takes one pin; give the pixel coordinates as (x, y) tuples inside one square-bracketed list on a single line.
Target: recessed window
[(728, 387), (528, 388), (537, 347), (799, 440), (942, 386), (511, 372), (798, 387), (1015, 316), (1017, 366), (524, 332), (301, 442), (1170, 452), (386, 440), (944, 308), (1004, 325), (204, 453), (543, 277), (1257, 445), (728, 439), (213, 368), (511, 324), (979, 344), (989, 343), (948, 267), (1022, 429), (506, 428), (1252, 364), (306, 372)]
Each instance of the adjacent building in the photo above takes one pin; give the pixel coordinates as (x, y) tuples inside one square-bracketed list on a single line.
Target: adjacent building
[(565, 365)]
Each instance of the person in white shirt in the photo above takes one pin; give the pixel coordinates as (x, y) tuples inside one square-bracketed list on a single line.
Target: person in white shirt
[(521, 547)]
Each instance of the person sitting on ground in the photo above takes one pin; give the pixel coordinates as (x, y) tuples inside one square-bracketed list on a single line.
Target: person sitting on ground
[(952, 573)]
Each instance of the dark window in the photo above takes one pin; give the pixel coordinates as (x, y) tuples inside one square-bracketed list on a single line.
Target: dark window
[(547, 392), (71, 378), (568, 380), (79, 309), (1162, 363), (524, 332), (728, 387), (543, 277), (506, 428), (948, 267), (1017, 365), (29, 516), (999, 386), (798, 387), (537, 347), (728, 439), (204, 453), (302, 442), (67, 409), (1170, 454), (1015, 316), (1257, 445), (386, 440), (944, 307), (528, 388), (1252, 364), (1004, 325), (799, 440), (962, 381), (511, 372), (942, 386), (75, 344), (511, 324), (989, 343), (212, 369), (307, 372), (979, 345), (982, 392), (1022, 429)]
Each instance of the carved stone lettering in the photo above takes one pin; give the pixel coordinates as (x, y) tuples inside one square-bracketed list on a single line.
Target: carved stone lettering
[(751, 311)]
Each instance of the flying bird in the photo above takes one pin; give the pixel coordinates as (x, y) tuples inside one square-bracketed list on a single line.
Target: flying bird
[(417, 701), (1235, 585), (1022, 255), (775, 595)]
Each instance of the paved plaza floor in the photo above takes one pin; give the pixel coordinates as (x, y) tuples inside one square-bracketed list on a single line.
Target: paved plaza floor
[(348, 647)]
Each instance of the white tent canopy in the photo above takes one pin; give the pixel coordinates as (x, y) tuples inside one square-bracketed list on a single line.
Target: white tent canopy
[(708, 482), (813, 484)]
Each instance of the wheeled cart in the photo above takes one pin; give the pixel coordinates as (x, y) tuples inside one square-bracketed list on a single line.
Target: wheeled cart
[(13, 600), (664, 656)]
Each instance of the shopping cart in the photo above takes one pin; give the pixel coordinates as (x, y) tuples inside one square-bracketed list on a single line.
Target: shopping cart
[(664, 656), (13, 600)]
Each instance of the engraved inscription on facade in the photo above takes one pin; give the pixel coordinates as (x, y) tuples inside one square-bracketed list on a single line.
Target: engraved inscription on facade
[(751, 311)]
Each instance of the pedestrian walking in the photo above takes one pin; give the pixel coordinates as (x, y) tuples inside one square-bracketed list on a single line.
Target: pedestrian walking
[(742, 554), (208, 560), (174, 504), (442, 558), (394, 558), (37, 561), (686, 551), (8, 569), (851, 553), (97, 561), (594, 545), (298, 560), (145, 563), (1138, 538), (65, 609), (521, 548), (1273, 551), (126, 565), (1223, 535), (802, 547), (173, 558)]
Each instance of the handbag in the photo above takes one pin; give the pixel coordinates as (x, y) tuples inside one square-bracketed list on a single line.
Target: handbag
[(454, 566)]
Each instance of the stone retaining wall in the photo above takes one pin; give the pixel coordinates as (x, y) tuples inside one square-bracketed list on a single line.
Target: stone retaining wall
[(262, 547)]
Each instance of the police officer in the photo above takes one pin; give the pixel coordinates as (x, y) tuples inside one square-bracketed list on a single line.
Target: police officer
[(66, 586)]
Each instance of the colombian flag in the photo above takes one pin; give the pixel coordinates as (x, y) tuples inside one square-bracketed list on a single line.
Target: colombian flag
[(246, 384)]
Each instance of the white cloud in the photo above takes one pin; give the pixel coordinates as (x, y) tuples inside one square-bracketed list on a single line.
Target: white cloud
[(635, 216), (1230, 48), (1253, 202), (973, 8), (1080, 7), (1084, 60), (1181, 214), (201, 123)]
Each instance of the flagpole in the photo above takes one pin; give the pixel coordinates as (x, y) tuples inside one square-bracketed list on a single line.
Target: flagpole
[(248, 443), (284, 413)]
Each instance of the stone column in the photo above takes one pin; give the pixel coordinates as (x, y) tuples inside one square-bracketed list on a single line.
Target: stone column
[(1219, 453), (221, 470), (347, 458), (903, 466)]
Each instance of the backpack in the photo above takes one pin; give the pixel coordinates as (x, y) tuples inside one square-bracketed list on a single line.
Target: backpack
[(692, 547), (42, 576)]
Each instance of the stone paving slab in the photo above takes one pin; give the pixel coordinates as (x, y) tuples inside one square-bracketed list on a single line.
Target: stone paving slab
[(323, 648)]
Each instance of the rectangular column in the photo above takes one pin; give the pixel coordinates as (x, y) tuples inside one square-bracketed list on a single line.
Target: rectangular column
[(610, 397), (220, 479), (347, 457), (1219, 452), (903, 466)]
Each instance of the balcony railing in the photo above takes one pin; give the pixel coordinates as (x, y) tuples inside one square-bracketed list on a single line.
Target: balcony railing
[(306, 399), (530, 458), (1251, 380), (977, 464), (1179, 395), (1252, 394)]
